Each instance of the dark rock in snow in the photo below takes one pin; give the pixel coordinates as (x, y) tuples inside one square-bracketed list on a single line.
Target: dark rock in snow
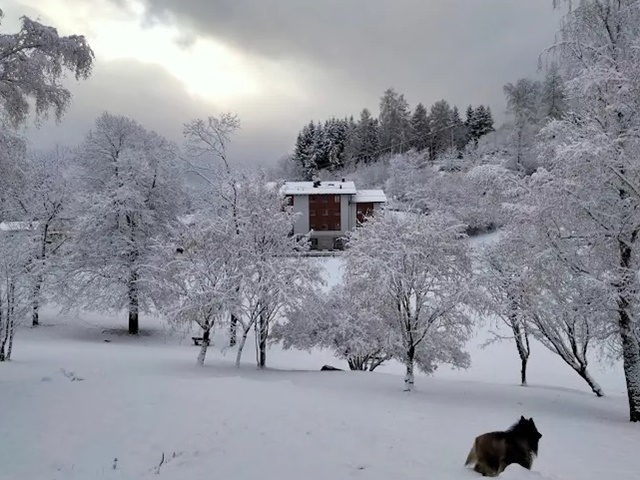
[(330, 369)]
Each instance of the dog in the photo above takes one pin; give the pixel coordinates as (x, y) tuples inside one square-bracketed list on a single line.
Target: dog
[(494, 451)]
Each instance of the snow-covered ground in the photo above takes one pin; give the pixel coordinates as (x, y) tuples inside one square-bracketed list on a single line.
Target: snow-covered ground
[(78, 396)]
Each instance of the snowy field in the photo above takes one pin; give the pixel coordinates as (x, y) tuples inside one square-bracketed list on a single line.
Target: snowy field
[(81, 401)]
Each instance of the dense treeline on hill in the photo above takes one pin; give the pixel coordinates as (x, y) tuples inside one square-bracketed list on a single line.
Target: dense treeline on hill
[(342, 142)]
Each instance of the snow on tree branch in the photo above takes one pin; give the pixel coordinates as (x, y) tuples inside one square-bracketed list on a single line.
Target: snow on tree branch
[(33, 62)]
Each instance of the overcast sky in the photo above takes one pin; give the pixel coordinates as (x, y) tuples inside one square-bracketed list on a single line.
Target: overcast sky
[(280, 63)]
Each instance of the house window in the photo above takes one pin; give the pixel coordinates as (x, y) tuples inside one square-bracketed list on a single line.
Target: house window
[(325, 213), (312, 199), (336, 199)]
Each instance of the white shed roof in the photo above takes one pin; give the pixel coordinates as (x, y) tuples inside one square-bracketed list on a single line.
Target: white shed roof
[(373, 196), (18, 226), (307, 188)]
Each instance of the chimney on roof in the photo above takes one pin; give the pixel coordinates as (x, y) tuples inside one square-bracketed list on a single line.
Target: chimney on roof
[(316, 184), (343, 180)]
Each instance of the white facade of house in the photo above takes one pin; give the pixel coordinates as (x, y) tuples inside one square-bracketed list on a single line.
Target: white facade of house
[(319, 204)]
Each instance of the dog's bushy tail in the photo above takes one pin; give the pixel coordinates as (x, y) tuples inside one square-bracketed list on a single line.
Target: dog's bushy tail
[(472, 457)]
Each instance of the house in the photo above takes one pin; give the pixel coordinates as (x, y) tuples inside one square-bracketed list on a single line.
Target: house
[(330, 209)]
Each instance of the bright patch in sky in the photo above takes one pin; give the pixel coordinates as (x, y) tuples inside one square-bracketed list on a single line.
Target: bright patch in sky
[(206, 68)]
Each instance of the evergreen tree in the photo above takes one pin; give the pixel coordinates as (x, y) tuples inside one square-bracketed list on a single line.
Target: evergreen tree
[(306, 150), (484, 120), (479, 122), (351, 142), (469, 117), (440, 120), (334, 136), (420, 131), (367, 138), (394, 122), (460, 131)]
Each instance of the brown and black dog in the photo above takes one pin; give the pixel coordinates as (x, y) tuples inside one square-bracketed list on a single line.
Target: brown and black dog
[(492, 452)]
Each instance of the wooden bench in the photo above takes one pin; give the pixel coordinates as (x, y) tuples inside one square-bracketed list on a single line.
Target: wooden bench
[(197, 341)]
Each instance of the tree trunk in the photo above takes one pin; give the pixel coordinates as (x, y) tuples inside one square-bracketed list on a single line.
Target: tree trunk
[(233, 326), (630, 346), (133, 304), (233, 330), (523, 371), (584, 373), (6, 335), (522, 344), (262, 341), (356, 362), (2, 336), (35, 303), (376, 361), (630, 359), (203, 348), (409, 363), (408, 377), (243, 340), (12, 332)]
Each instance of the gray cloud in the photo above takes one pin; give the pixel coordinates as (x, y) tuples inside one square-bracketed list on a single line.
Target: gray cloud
[(154, 98), (345, 53), (461, 50)]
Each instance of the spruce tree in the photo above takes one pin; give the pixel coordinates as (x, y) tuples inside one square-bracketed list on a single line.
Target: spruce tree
[(485, 120), (305, 153), (351, 146), (420, 131), (367, 138), (394, 122), (460, 131), (440, 117)]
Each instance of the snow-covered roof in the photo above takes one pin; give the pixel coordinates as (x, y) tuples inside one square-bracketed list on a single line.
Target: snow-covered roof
[(17, 226), (373, 196), (307, 188)]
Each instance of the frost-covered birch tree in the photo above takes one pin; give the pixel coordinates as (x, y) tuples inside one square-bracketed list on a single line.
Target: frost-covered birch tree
[(48, 194), (198, 274), (417, 267), (33, 63), (503, 281), (207, 142), (274, 274), (565, 314), (14, 287), (589, 190), (538, 297), (129, 193)]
